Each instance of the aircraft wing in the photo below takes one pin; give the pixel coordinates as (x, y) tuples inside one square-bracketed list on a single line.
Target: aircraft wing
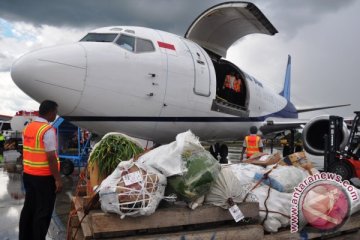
[(272, 125), (220, 26), (301, 110)]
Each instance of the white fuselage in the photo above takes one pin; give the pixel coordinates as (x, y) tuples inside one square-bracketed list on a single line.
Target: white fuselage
[(153, 95)]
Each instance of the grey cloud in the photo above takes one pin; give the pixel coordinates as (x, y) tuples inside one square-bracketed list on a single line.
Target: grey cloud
[(162, 14), (5, 62), (289, 16)]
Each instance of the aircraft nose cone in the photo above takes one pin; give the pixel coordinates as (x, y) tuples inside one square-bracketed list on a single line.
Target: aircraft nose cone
[(56, 73)]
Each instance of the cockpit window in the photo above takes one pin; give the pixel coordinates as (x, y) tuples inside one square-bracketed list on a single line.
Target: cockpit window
[(126, 42), (99, 37), (143, 45)]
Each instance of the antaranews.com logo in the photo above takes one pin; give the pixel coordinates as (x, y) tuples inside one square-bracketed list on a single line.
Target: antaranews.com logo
[(322, 201)]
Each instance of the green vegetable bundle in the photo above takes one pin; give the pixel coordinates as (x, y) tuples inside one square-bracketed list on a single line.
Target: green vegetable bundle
[(111, 150), (202, 170)]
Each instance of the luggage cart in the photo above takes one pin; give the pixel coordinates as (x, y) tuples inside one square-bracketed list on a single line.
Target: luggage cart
[(73, 145)]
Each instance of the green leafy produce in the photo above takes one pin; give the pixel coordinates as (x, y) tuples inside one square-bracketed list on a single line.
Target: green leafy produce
[(202, 170), (111, 150)]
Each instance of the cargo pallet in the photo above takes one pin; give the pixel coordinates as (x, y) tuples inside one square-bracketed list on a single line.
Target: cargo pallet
[(206, 222), (175, 222)]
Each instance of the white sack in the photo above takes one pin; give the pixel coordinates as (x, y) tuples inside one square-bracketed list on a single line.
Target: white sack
[(277, 202), (283, 178), (167, 158), (226, 187), (245, 172), (140, 198)]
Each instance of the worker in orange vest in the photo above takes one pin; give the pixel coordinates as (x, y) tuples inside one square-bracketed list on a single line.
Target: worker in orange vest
[(228, 87), (237, 85), (252, 143), (41, 175)]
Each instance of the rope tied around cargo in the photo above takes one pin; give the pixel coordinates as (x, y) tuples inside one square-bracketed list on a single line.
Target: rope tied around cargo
[(231, 202), (264, 177), (134, 191), (86, 208), (265, 203), (267, 211)]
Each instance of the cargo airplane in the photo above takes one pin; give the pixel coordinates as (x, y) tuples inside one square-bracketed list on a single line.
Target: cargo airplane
[(152, 84)]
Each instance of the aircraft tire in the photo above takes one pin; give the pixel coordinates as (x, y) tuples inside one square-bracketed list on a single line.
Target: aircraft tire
[(66, 167), (342, 168)]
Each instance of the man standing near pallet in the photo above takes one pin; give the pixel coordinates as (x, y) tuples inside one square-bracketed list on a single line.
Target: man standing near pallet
[(41, 175)]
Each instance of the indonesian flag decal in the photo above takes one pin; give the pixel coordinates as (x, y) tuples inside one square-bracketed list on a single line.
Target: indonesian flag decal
[(166, 45)]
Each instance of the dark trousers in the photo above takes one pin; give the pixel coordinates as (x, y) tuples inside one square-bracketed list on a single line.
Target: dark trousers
[(2, 143), (38, 206)]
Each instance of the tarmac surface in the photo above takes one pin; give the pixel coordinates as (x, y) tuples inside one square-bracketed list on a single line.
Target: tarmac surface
[(12, 200)]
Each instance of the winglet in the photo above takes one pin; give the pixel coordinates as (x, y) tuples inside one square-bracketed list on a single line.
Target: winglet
[(286, 89)]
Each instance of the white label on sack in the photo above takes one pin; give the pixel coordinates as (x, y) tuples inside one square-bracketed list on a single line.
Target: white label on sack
[(236, 213), (132, 178)]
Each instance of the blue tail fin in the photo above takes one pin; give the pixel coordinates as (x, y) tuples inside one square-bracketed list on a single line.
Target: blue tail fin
[(286, 90)]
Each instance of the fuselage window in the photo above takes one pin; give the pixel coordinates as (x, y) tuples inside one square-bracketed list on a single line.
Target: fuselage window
[(126, 42), (99, 37), (143, 45)]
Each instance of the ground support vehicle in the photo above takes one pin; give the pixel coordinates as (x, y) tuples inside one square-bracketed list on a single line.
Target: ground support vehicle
[(73, 145), (344, 162)]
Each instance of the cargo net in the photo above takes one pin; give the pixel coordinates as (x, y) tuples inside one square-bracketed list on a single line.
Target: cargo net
[(132, 190)]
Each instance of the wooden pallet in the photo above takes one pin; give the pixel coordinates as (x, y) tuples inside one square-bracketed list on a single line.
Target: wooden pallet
[(182, 223), (170, 223)]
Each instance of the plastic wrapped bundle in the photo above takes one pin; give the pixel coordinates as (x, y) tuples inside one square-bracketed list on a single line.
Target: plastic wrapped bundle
[(201, 170), (167, 158), (132, 190)]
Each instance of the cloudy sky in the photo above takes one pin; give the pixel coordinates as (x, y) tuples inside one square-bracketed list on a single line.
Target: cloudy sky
[(322, 36)]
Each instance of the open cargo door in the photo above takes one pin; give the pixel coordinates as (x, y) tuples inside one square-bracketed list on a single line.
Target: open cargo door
[(220, 26)]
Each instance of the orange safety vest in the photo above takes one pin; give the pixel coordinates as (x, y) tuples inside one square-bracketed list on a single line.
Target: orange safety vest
[(34, 156), (237, 85), (252, 145), (227, 82)]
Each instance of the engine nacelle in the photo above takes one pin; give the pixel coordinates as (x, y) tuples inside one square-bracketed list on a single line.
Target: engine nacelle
[(314, 132)]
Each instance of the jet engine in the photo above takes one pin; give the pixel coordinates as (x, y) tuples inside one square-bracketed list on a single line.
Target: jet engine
[(314, 132)]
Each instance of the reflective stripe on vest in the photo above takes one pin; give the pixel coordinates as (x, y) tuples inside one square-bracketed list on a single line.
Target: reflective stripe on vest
[(34, 155), (252, 145)]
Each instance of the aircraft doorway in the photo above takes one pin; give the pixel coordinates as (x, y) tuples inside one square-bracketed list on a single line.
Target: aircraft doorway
[(231, 89)]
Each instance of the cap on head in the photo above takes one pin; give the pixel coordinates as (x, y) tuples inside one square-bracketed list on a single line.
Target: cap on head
[(253, 130)]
